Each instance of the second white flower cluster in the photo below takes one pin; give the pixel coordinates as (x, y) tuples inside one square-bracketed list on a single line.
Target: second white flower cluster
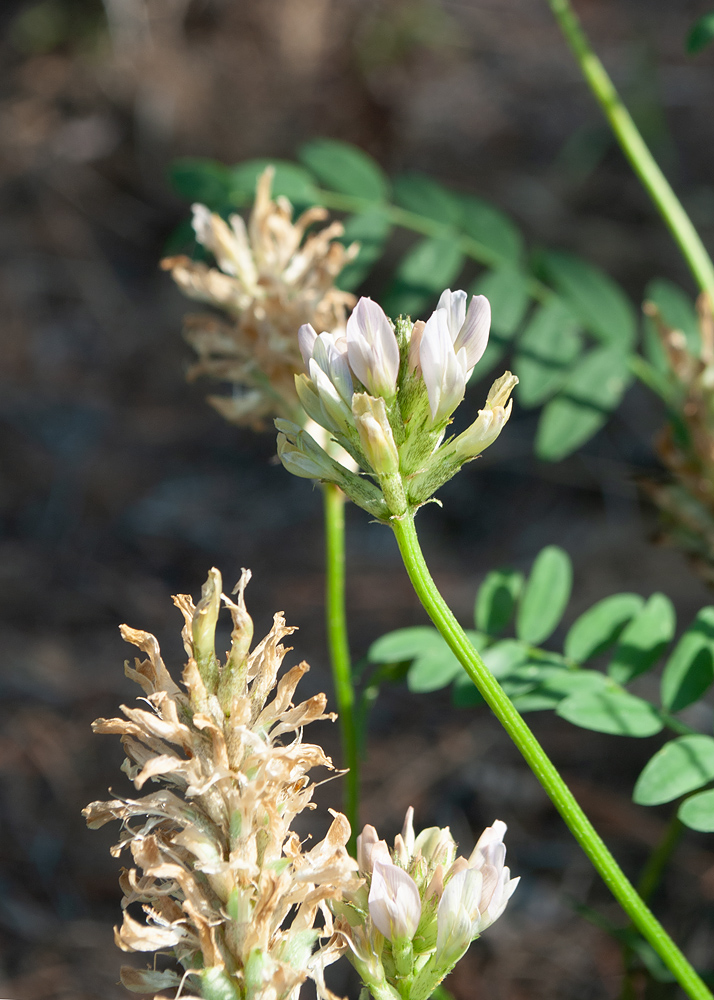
[(385, 393), (421, 906)]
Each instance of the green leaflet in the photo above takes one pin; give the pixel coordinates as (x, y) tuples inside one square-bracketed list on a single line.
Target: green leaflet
[(496, 600), (598, 627), (680, 766), (592, 389), (644, 640), (598, 302), (546, 350), (345, 168), (615, 711), (545, 596), (690, 669)]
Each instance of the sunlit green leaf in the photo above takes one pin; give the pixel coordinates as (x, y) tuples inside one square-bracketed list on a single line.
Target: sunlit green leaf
[(506, 288), (592, 389), (564, 682), (599, 627), (545, 596), (204, 181), (422, 275), (504, 657), (424, 196), (690, 669), (491, 227), (345, 168), (598, 302), (616, 712), (290, 180), (680, 766), (644, 640), (496, 600), (701, 34), (547, 348)]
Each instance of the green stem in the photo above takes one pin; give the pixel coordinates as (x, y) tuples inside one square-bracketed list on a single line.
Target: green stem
[(539, 762), (635, 148), (339, 648)]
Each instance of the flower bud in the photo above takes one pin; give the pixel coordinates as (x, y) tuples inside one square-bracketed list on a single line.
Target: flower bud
[(473, 333), (394, 903), (375, 433), (372, 349), (369, 847), (490, 421)]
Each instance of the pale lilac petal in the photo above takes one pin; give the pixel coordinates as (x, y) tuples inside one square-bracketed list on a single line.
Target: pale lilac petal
[(372, 348), (394, 903), (443, 375), (473, 334), (306, 341), (455, 305)]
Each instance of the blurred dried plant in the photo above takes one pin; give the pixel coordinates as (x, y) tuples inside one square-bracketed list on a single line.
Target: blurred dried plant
[(686, 444), (220, 874), (271, 278)]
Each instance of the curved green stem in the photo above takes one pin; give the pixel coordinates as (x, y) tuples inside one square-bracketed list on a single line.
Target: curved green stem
[(635, 148), (539, 762), (338, 644)]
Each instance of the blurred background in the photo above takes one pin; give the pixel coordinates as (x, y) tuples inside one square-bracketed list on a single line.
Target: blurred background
[(119, 486)]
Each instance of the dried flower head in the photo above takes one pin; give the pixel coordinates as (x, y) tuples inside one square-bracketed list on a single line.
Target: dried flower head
[(221, 876), (421, 906), (686, 443), (271, 278)]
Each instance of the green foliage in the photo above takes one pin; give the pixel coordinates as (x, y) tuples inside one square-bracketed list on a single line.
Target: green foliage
[(681, 766), (634, 633), (592, 389), (701, 34), (599, 627), (690, 669), (545, 596), (697, 812), (496, 600), (600, 304), (676, 309), (570, 328), (426, 270), (345, 168), (547, 348), (611, 711), (644, 640)]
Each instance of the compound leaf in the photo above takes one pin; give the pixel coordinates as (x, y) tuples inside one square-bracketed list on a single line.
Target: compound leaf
[(345, 168), (690, 669), (547, 348), (496, 600), (644, 640), (615, 711)]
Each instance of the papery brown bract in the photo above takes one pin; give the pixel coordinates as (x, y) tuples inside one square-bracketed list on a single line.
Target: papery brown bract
[(222, 878), (271, 279)]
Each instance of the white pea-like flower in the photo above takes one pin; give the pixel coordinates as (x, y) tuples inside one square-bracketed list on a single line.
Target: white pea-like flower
[(394, 903), (490, 420), (375, 433), (452, 342), (372, 349)]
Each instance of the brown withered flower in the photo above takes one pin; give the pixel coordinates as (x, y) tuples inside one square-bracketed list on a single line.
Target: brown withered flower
[(271, 278), (686, 443), (223, 880)]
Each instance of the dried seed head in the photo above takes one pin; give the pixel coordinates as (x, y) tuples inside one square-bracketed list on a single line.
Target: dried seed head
[(221, 875), (270, 280)]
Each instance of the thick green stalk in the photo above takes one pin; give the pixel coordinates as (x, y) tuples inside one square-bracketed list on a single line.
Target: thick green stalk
[(338, 644), (539, 762), (635, 148)]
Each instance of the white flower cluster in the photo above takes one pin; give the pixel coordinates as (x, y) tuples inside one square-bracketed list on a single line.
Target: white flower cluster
[(421, 906), (386, 392)]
